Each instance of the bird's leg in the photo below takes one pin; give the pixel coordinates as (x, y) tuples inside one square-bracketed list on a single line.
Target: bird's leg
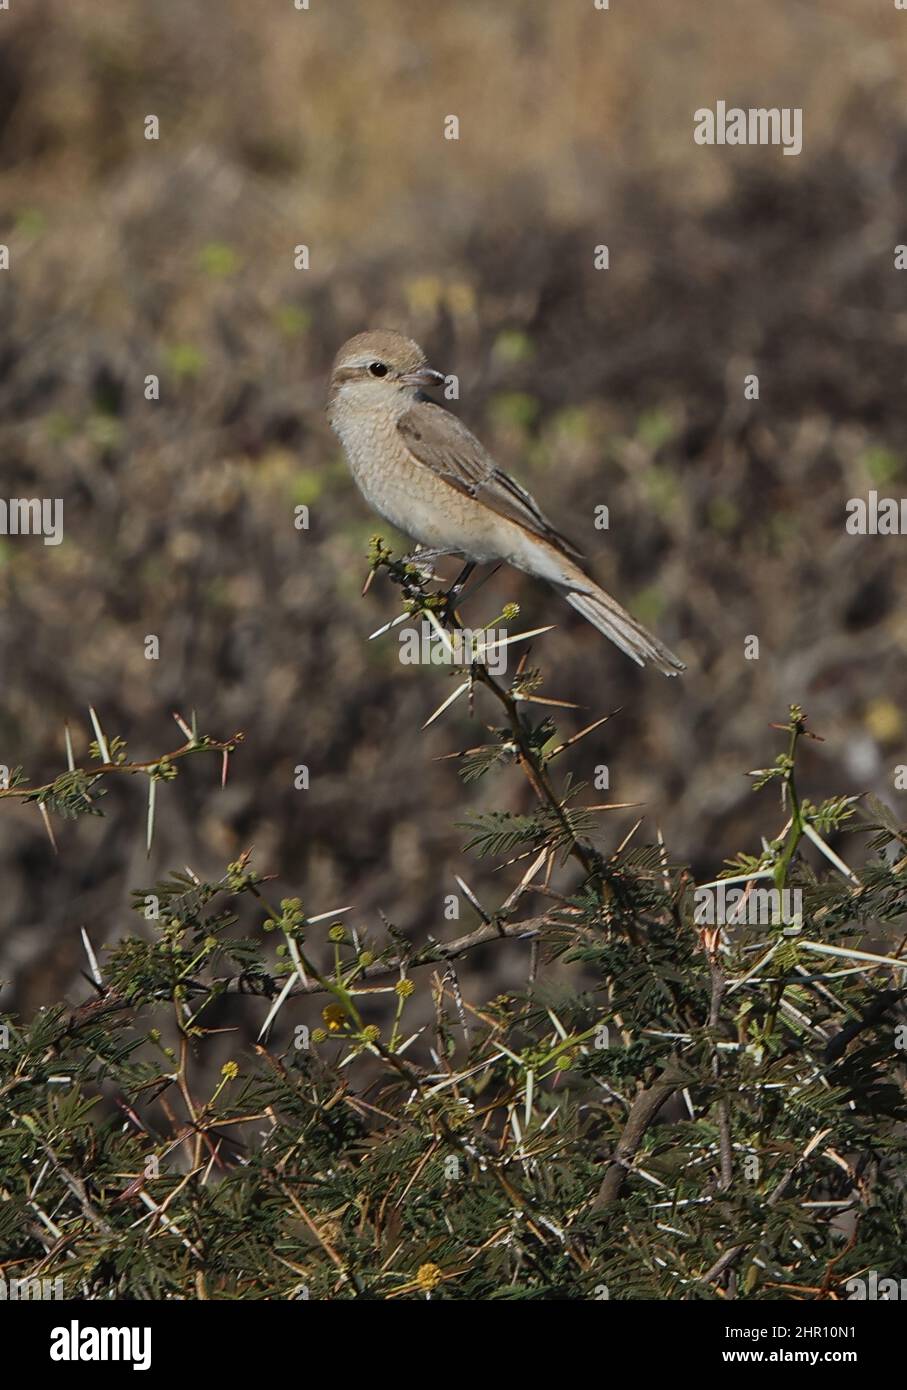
[(452, 595), (456, 588)]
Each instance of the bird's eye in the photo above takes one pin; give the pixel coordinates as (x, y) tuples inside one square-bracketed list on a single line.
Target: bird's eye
[(377, 369)]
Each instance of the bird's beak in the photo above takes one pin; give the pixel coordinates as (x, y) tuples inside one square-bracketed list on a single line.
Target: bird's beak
[(424, 377)]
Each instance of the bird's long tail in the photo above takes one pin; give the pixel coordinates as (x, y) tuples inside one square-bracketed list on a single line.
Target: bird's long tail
[(615, 622)]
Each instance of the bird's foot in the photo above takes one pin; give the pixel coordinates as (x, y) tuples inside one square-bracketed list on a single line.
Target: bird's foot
[(457, 587), (423, 560)]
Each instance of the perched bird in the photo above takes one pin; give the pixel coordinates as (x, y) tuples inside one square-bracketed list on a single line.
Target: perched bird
[(423, 471)]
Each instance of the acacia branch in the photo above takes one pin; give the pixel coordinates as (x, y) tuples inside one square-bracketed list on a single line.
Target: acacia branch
[(435, 953), (642, 1113), (534, 768), (732, 1255), (23, 792)]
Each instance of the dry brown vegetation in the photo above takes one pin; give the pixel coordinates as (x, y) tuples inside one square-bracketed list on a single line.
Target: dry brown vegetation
[(174, 257)]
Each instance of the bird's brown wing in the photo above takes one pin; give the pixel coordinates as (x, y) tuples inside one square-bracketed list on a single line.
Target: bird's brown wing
[(438, 440)]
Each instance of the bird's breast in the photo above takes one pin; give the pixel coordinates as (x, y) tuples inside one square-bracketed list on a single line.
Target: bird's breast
[(411, 496)]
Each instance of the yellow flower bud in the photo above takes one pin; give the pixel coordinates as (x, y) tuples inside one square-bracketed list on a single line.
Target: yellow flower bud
[(334, 1016), (428, 1277)]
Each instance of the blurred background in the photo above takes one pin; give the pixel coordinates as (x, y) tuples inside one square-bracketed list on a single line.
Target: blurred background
[(624, 387)]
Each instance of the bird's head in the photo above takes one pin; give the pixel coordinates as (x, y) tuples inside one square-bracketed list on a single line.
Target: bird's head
[(379, 370)]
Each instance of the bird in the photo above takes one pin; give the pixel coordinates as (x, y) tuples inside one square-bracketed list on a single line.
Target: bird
[(422, 470)]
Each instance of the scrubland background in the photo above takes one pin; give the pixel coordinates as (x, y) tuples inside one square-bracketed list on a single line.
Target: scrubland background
[(624, 387)]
